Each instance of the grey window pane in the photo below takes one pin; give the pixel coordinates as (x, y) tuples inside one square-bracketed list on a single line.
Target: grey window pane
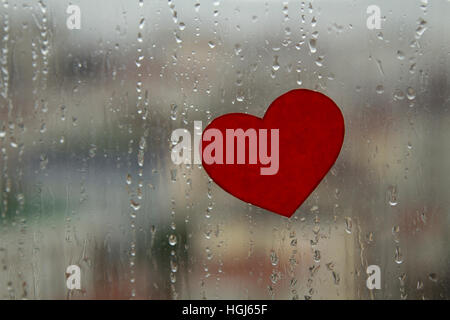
[(86, 116)]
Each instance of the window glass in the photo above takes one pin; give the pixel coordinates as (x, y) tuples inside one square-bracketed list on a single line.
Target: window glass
[(91, 91)]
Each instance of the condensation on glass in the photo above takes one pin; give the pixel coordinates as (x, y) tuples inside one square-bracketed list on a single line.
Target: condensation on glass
[(86, 177)]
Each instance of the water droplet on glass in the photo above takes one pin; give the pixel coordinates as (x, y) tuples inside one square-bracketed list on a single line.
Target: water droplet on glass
[(142, 23), (395, 233), (379, 89), (421, 28), (312, 45), (273, 258), (173, 111), (316, 256), (336, 277), (172, 240), (275, 65), (410, 93), (399, 95), (348, 225), (173, 264), (393, 197), (92, 151), (398, 255), (419, 285), (275, 276), (433, 277), (134, 205)]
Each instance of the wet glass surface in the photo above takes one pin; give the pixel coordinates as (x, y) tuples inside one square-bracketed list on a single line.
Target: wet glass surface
[(86, 177)]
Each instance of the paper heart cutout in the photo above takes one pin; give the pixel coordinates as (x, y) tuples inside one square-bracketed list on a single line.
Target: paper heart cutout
[(311, 133)]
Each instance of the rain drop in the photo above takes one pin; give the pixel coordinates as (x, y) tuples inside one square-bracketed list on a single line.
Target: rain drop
[(172, 240)]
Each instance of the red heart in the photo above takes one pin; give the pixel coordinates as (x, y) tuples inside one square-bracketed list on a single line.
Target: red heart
[(311, 133)]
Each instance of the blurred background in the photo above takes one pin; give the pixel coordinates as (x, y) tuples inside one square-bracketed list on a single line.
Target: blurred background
[(86, 175)]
